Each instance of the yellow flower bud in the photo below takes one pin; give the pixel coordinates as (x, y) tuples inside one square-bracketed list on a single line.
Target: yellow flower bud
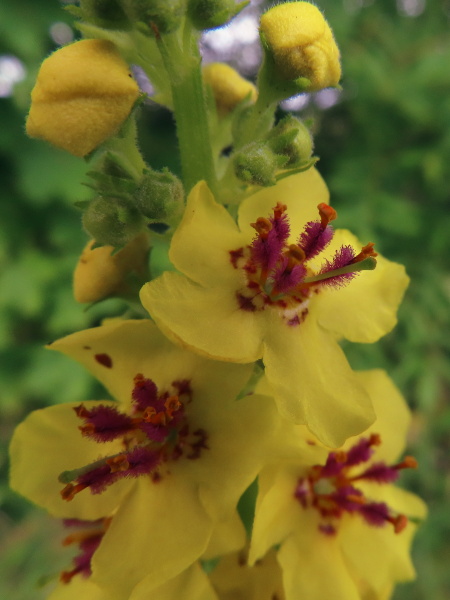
[(83, 93), (228, 87), (100, 274), (302, 44)]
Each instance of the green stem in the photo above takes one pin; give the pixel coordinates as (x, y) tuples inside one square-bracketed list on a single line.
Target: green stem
[(184, 70)]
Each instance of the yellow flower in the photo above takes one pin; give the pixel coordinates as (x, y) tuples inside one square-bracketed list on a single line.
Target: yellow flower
[(100, 273), (302, 44), (83, 93), (228, 87), (342, 527), (176, 454), (242, 300)]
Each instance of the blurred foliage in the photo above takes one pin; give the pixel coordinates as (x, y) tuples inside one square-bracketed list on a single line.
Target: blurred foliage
[(384, 150)]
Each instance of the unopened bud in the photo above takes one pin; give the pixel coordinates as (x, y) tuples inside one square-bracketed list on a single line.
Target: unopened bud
[(291, 138), (160, 196), (207, 14), (301, 44), (100, 273), (163, 16), (83, 94), (229, 88), (257, 164), (112, 221), (108, 14)]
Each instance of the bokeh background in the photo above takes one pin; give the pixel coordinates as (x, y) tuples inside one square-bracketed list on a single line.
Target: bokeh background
[(384, 147)]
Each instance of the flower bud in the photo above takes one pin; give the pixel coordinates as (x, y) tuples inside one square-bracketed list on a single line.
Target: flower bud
[(228, 87), (108, 14), (160, 196), (112, 221), (257, 164), (301, 44), (207, 14), (164, 15), (291, 138), (100, 273), (83, 94)]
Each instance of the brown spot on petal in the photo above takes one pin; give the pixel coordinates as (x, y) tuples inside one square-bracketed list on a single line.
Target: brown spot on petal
[(104, 359)]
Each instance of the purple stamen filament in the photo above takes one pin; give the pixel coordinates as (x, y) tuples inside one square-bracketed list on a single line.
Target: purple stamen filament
[(330, 488), (157, 431), (279, 274)]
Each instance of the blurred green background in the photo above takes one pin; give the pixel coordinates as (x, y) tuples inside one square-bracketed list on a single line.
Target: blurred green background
[(384, 147)]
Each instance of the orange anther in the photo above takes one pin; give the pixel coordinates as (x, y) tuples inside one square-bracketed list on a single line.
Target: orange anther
[(87, 430), (399, 523), (70, 491), (375, 439), (297, 253), (262, 226), (81, 411), (279, 209), (118, 463), (356, 499), (409, 462), (172, 404), (327, 214), (366, 251), (151, 416)]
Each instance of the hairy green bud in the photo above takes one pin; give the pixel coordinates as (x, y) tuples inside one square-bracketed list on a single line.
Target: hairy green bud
[(108, 14), (112, 221), (257, 164), (291, 138), (207, 14), (160, 196)]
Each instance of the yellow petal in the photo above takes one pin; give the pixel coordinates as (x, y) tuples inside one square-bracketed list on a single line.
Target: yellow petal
[(158, 531), (313, 383), (313, 566), (191, 584), (276, 509), (242, 436), (208, 320), (129, 347), (301, 193), (227, 536), (366, 309), (235, 580), (49, 442), (377, 556), (393, 415), (201, 244), (79, 587)]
